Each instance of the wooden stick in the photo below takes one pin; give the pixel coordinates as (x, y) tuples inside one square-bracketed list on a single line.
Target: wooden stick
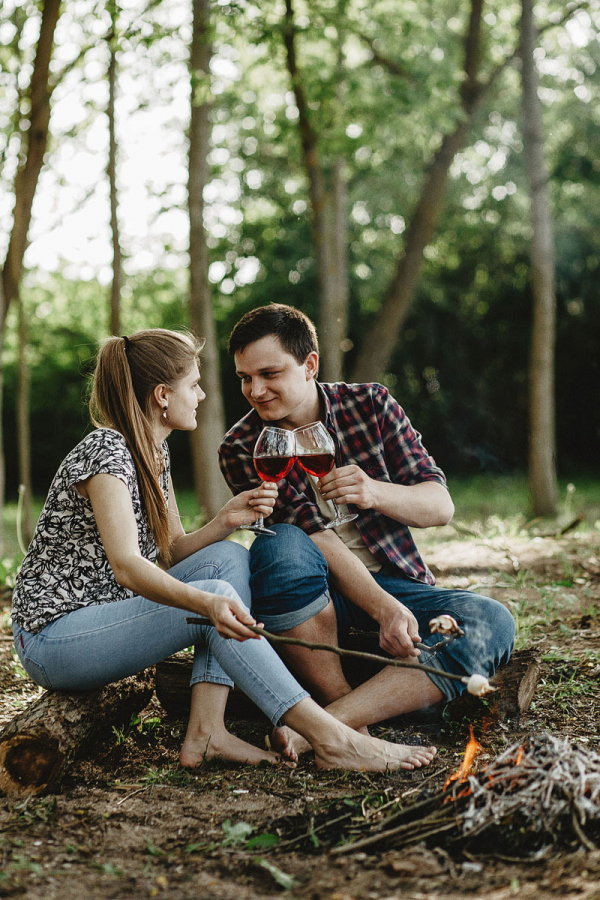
[(340, 651)]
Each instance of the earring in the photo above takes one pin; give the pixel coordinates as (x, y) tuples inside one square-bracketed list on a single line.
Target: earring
[(165, 415)]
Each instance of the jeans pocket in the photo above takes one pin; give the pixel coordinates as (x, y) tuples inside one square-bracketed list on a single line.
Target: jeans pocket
[(35, 670)]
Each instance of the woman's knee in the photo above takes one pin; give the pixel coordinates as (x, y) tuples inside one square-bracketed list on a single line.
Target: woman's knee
[(218, 586)]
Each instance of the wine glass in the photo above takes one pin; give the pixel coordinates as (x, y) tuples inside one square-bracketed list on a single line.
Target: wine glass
[(273, 459), (315, 452)]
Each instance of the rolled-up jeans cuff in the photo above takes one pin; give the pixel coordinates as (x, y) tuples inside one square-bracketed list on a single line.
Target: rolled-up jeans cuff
[(447, 686), (286, 620)]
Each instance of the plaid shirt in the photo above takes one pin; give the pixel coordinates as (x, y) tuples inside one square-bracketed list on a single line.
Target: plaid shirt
[(370, 430)]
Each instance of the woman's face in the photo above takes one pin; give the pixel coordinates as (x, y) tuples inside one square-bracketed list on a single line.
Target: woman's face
[(183, 399)]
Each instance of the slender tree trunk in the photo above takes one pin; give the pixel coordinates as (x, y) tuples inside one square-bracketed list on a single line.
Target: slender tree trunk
[(377, 349), (24, 429), (328, 229), (333, 318), (35, 139), (542, 438), (211, 489), (33, 143), (115, 289)]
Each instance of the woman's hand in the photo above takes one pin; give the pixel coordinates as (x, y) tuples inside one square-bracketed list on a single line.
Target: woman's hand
[(230, 617), (245, 508)]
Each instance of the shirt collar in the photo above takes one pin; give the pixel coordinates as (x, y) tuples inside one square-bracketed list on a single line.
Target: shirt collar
[(326, 404)]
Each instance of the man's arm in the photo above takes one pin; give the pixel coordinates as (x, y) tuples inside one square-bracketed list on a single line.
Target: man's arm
[(401, 480), (398, 628), (416, 505)]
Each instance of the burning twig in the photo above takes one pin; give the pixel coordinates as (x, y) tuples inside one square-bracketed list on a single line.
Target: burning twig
[(476, 684), (536, 793)]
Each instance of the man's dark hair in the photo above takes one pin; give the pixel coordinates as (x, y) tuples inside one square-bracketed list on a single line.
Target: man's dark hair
[(295, 330)]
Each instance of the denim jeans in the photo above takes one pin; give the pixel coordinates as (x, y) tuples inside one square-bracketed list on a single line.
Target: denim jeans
[(96, 645), (289, 583)]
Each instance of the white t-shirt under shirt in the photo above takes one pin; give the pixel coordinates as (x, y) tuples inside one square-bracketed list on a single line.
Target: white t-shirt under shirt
[(66, 567), (348, 533)]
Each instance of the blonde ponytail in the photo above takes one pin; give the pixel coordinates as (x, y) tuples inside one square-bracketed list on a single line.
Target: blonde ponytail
[(127, 371)]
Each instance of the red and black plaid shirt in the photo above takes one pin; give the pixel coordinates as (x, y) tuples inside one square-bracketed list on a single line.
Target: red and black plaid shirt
[(370, 430)]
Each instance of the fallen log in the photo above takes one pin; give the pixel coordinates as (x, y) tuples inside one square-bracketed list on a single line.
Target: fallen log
[(515, 684), (173, 691), (37, 744)]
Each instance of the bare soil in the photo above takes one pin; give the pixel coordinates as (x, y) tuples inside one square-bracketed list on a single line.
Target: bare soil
[(126, 821)]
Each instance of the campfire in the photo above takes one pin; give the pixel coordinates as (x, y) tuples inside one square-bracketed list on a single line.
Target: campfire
[(538, 793)]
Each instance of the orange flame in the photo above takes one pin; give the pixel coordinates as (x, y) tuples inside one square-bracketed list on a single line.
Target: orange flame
[(472, 751), (519, 756)]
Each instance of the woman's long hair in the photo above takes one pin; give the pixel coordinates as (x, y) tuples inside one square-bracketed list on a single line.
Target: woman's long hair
[(127, 371)]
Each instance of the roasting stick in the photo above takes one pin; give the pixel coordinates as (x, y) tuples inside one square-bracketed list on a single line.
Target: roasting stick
[(476, 684)]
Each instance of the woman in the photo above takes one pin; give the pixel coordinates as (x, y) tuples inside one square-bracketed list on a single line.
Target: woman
[(91, 606)]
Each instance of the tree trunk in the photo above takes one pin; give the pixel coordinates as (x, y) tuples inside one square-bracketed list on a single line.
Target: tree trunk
[(24, 432), (211, 489), (376, 351), (333, 307), (328, 223), (35, 139), (33, 144), (542, 438), (37, 745), (115, 290)]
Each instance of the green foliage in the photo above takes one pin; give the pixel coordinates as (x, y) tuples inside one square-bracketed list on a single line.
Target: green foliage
[(382, 82)]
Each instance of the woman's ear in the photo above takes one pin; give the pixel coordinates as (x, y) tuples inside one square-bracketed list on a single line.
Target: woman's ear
[(159, 395)]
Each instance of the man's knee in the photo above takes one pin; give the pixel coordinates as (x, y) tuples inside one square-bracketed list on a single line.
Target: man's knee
[(288, 578)]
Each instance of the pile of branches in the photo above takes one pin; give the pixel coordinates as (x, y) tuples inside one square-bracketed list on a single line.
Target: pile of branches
[(539, 793)]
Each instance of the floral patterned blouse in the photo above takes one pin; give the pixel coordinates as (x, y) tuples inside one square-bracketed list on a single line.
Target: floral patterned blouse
[(66, 567)]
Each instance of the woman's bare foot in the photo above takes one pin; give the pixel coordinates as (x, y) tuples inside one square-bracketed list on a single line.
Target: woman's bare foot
[(356, 751), (292, 745), (222, 744)]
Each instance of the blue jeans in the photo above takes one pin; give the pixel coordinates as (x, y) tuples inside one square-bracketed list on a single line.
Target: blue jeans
[(289, 583), (96, 645)]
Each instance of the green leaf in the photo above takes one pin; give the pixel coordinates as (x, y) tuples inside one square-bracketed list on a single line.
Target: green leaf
[(236, 834), (283, 880), (262, 840)]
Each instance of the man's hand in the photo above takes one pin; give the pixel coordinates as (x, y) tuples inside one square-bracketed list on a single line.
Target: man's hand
[(399, 632), (349, 484)]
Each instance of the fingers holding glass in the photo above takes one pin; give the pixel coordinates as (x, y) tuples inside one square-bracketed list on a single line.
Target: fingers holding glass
[(315, 452)]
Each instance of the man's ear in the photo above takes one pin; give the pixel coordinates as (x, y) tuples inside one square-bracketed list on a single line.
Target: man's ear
[(311, 364)]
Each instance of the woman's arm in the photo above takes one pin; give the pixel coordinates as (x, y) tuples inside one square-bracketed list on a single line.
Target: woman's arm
[(243, 509), (113, 511)]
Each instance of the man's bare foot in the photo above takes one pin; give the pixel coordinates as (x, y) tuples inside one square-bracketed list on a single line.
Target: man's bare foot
[(289, 743), (222, 744), (356, 751)]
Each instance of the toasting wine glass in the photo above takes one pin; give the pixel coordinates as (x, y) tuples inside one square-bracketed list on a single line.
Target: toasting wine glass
[(273, 459), (315, 452)]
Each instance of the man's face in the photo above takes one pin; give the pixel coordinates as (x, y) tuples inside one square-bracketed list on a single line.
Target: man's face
[(279, 388)]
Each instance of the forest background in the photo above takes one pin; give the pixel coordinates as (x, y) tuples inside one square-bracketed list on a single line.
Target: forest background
[(367, 162)]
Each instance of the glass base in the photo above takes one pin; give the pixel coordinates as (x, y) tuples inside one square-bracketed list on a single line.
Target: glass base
[(257, 529), (341, 520)]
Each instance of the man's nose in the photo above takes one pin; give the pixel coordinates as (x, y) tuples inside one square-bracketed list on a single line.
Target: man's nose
[(258, 388)]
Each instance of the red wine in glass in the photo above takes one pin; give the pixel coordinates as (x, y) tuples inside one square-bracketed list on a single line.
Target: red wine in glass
[(273, 468), (273, 459), (315, 452), (317, 464)]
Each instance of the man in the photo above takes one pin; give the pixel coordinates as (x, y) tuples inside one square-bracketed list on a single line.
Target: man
[(317, 584)]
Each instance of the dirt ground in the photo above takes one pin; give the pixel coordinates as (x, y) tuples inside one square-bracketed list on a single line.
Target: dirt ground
[(125, 821)]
